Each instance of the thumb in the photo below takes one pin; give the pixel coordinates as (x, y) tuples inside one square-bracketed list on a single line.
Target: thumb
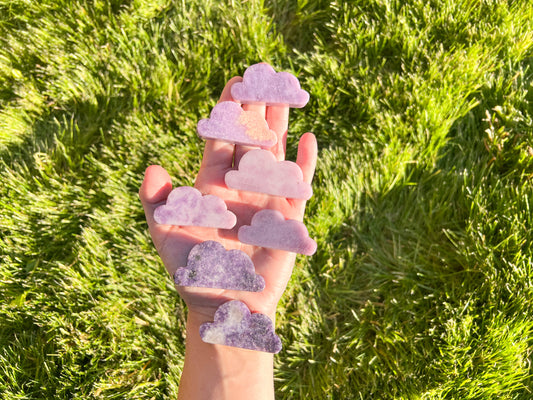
[(154, 190)]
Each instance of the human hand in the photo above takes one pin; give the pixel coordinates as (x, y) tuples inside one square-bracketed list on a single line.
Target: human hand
[(174, 243)]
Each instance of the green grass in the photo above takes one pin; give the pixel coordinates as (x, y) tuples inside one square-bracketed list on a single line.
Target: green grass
[(421, 287)]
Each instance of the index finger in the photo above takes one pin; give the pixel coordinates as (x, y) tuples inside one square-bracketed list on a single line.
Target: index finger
[(218, 153)]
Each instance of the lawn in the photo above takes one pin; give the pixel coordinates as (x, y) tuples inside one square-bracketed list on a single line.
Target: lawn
[(422, 285)]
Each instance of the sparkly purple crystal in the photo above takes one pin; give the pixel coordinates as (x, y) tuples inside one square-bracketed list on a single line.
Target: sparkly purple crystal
[(270, 229), (210, 265), (229, 122), (186, 206), (236, 326), (261, 84)]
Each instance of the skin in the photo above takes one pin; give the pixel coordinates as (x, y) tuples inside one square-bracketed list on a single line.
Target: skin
[(215, 371)]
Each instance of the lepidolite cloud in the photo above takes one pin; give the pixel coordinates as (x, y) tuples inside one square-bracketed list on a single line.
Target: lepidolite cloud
[(259, 171), (210, 265), (261, 84), (236, 326), (186, 206), (229, 122), (270, 229)]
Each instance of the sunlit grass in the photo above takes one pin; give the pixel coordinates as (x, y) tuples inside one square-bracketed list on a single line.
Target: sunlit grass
[(421, 285)]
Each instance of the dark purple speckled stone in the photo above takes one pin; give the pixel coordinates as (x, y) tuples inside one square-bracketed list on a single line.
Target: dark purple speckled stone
[(210, 265), (236, 326)]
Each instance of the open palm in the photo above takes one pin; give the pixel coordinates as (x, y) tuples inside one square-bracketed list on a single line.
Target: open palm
[(174, 243)]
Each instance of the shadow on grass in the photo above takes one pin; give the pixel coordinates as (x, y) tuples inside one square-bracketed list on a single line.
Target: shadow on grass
[(396, 281), (388, 271)]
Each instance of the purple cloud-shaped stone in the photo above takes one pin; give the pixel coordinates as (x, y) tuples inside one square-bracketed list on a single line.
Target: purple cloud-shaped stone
[(186, 206), (210, 265), (261, 84), (236, 326), (259, 171), (270, 229), (229, 122)]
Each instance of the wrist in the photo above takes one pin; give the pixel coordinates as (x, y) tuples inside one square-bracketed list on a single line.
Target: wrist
[(202, 306), (219, 372)]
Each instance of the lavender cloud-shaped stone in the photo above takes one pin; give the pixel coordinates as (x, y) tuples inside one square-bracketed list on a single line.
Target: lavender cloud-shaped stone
[(236, 326), (259, 171), (210, 265), (186, 206), (270, 229), (261, 84), (229, 122)]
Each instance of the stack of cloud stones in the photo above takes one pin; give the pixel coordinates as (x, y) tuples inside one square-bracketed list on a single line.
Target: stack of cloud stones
[(209, 264)]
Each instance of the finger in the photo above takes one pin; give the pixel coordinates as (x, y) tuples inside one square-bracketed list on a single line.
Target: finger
[(226, 92), (278, 120), (154, 190), (306, 160), (242, 150), (307, 156), (218, 153)]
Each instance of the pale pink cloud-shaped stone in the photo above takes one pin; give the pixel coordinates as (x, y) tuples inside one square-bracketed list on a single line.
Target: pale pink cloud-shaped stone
[(229, 122), (261, 84), (259, 171), (186, 206), (270, 229)]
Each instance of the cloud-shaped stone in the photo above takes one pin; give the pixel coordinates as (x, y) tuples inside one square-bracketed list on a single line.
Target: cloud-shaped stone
[(261, 84), (229, 122), (186, 206), (210, 265), (270, 229), (259, 171), (236, 326)]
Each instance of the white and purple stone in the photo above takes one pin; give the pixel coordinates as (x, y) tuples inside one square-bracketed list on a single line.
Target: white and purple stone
[(269, 228), (236, 326), (210, 265), (186, 206)]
